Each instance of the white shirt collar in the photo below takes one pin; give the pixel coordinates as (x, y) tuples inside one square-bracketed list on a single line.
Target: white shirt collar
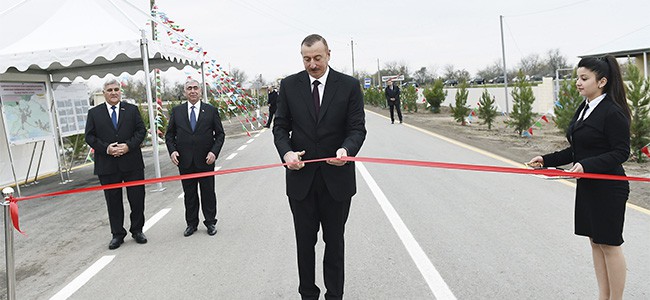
[(197, 108), (593, 104), (110, 110), (322, 79)]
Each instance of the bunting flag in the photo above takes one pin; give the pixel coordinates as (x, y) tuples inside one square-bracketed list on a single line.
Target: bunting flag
[(645, 150), (90, 156), (538, 122)]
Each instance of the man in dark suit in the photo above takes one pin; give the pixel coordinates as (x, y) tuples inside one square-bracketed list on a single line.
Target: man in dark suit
[(273, 105), (194, 139), (115, 130), (392, 97), (320, 114)]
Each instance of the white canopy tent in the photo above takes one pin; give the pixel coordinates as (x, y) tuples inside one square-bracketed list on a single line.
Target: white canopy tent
[(46, 41)]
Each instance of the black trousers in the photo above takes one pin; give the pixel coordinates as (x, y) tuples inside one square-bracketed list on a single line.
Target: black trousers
[(395, 105), (268, 122), (208, 197), (316, 210), (135, 195)]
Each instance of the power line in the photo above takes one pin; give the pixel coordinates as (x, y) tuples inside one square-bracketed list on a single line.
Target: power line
[(620, 37), (550, 9)]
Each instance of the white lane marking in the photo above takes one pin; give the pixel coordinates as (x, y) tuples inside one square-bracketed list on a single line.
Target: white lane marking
[(181, 195), (217, 168), (258, 135), (78, 282), (82, 279), (231, 156), (242, 147), (149, 223), (436, 283), (250, 141)]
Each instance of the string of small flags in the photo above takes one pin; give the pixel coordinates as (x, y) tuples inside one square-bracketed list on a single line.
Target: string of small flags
[(538, 123)]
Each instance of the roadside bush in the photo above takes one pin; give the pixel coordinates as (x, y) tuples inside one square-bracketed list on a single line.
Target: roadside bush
[(435, 95), (461, 110), (487, 110), (521, 117), (639, 100), (374, 96), (409, 98)]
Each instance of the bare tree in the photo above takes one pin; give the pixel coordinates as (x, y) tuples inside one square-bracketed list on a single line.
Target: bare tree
[(449, 72), (532, 65), (555, 60), (238, 75), (423, 76)]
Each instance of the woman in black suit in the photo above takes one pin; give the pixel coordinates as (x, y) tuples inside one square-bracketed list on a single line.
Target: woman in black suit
[(599, 138)]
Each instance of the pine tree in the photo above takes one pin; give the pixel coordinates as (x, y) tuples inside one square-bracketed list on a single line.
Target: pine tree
[(639, 100), (409, 97), (461, 110), (568, 101), (435, 95), (487, 110), (521, 117)]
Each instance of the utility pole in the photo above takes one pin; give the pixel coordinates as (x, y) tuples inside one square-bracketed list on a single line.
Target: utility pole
[(352, 47), (378, 73), (505, 71)]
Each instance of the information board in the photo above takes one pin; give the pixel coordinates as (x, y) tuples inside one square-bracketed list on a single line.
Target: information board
[(25, 112), (72, 104)]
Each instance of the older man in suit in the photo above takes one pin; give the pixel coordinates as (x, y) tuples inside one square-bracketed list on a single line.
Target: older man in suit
[(115, 130), (320, 114), (194, 139)]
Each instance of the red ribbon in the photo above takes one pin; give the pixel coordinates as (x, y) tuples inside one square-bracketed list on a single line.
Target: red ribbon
[(13, 202)]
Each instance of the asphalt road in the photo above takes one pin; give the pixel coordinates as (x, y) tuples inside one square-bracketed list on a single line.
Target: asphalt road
[(413, 233)]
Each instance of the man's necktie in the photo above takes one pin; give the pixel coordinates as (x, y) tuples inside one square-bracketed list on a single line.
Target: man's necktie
[(316, 96), (192, 118), (114, 117)]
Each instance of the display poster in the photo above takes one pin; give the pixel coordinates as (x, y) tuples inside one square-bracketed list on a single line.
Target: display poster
[(72, 104), (25, 112)]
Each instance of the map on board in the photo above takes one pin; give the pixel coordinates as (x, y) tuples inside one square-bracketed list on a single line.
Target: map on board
[(25, 112), (72, 104)]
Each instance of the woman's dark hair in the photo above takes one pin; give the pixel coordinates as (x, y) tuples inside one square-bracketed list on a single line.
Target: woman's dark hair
[(607, 66)]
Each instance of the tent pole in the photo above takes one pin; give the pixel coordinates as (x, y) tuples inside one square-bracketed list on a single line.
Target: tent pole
[(11, 159), (205, 87), (144, 51), (55, 125)]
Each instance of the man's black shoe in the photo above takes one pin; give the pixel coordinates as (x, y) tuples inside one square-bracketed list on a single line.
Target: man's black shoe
[(212, 229), (115, 243), (189, 231), (140, 238)]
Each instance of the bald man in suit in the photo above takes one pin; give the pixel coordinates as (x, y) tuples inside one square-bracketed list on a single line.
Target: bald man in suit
[(194, 139)]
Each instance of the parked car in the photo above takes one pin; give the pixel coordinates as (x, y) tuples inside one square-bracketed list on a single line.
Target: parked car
[(498, 79), (451, 82), (477, 80)]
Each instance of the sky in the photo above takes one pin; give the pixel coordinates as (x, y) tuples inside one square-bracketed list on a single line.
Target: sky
[(263, 37)]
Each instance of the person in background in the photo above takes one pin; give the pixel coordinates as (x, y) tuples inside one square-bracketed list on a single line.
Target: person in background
[(320, 115), (392, 97), (273, 105), (194, 139), (599, 138), (115, 131)]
